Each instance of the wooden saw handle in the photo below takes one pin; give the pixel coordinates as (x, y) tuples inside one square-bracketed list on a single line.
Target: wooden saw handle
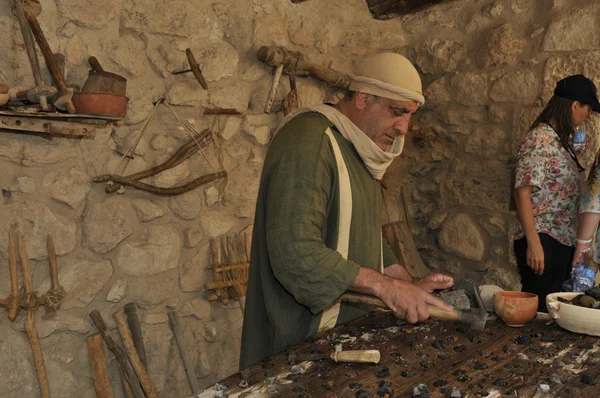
[(434, 312), (357, 356)]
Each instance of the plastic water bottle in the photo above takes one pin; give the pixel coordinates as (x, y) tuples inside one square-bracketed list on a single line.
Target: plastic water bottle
[(579, 141), (583, 278)]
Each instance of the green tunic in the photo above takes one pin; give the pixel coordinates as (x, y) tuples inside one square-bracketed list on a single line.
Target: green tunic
[(295, 273)]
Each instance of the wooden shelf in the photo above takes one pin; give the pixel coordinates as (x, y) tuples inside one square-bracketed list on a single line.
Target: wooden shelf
[(53, 123)]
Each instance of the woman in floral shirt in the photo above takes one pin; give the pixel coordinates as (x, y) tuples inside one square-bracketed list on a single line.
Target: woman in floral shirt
[(547, 189)]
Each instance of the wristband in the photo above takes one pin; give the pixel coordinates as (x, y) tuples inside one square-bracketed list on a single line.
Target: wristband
[(586, 250), (583, 241)]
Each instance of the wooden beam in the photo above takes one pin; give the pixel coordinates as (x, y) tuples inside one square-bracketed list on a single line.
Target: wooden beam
[(386, 9)]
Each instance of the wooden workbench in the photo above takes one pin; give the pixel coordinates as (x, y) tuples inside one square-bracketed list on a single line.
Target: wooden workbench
[(501, 362)]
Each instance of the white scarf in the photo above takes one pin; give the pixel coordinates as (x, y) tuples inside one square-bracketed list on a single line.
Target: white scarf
[(376, 160)]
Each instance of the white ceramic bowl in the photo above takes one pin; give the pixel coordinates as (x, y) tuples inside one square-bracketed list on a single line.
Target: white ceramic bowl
[(572, 317)]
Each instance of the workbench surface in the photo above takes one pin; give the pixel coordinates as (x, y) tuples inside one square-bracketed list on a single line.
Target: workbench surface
[(500, 362)]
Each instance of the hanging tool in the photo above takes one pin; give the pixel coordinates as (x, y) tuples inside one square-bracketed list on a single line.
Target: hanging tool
[(120, 355), (30, 328), (136, 331), (62, 99), (474, 317), (100, 372), (41, 93), (194, 68), (187, 363), (134, 358)]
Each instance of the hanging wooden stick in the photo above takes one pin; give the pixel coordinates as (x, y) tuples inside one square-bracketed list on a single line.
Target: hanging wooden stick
[(99, 366), (120, 354), (56, 294), (187, 363), (13, 299), (30, 328), (134, 358), (274, 86)]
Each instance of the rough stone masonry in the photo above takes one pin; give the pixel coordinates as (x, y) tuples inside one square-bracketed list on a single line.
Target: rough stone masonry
[(488, 68)]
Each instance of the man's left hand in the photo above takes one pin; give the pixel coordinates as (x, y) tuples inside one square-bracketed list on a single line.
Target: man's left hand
[(435, 282)]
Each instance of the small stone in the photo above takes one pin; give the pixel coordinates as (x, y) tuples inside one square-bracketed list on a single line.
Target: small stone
[(460, 348), (420, 391), (427, 364), (463, 378), (587, 379), (443, 357), (243, 384), (232, 125), (212, 196), (523, 340), (407, 373), (384, 372), (480, 365), (192, 236), (158, 142), (439, 344), (154, 319), (355, 386), (23, 184), (117, 291), (440, 383), (146, 210), (522, 356), (362, 394), (487, 292), (456, 298), (455, 393), (501, 383), (543, 389)]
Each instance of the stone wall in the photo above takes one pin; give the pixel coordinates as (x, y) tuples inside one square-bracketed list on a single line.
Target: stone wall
[(488, 67)]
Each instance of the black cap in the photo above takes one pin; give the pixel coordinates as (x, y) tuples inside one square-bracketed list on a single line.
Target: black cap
[(578, 88)]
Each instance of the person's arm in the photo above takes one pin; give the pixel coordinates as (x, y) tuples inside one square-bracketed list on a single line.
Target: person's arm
[(535, 251), (406, 300), (587, 224)]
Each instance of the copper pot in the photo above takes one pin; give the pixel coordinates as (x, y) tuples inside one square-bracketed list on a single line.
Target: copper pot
[(104, 104)]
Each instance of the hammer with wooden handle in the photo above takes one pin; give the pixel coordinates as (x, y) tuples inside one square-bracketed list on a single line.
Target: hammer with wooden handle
[(476, 318), (62, 99)]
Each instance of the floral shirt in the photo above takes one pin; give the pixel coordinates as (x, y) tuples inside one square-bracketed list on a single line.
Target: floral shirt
[(590, 201), (543, 163)]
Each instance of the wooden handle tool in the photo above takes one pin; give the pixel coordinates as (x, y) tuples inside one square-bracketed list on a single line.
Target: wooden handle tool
[(187, 363), (136, 331), (476, 319), (120, 354), (100, 372), (134, 358), (355, 356), (14, 280), (30, 328)]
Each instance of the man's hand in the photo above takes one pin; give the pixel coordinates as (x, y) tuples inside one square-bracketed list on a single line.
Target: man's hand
[(435, 282), (409, 301)]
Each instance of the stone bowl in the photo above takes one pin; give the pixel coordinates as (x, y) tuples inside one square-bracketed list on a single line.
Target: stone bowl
[(515, 308), (573, 317)]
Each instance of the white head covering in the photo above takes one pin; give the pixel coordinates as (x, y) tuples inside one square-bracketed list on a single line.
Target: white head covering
[(388, 75)]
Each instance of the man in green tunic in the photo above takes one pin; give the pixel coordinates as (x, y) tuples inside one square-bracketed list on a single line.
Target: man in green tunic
[(317, 228)]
